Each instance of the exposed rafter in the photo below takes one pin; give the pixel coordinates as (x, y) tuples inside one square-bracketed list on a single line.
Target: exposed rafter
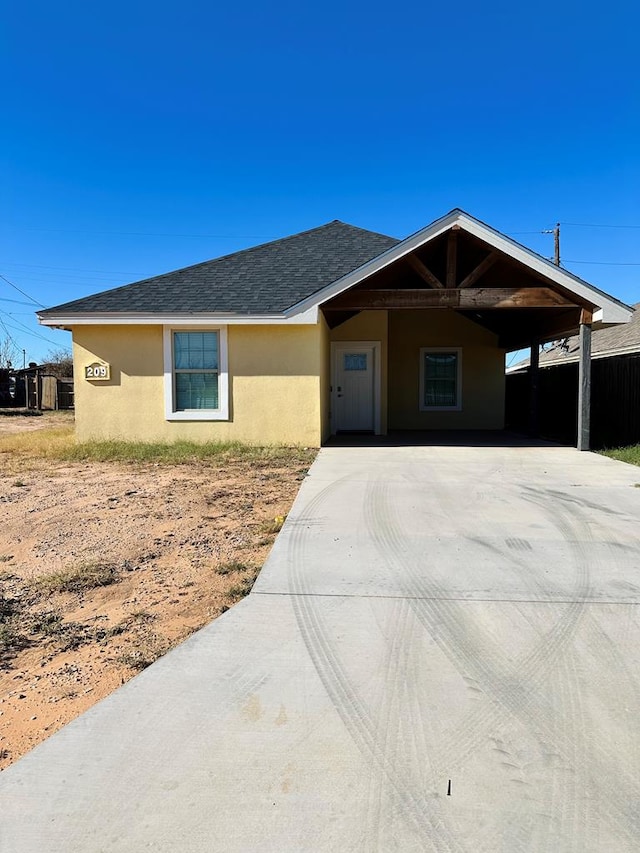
[(424, 272), (452, 257), (480, 270)]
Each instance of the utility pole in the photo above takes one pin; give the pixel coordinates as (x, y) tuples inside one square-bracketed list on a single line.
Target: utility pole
[(556, 243)]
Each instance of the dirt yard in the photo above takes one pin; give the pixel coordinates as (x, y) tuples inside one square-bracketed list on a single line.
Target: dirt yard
[(105, 566)]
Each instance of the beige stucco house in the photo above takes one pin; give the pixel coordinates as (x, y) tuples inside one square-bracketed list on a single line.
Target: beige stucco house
[(336, 329)]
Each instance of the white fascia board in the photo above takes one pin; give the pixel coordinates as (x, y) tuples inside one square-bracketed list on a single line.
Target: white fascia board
[(611, 316), (127, 318), (610, 310)]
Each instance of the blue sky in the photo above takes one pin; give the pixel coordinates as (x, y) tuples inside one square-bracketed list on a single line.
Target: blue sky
[(139, 137)]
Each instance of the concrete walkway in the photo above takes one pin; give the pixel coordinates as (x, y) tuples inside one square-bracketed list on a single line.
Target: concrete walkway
[(440, 655)]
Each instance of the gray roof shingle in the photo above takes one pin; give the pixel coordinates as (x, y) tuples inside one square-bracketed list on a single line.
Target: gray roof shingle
[(265, 279)]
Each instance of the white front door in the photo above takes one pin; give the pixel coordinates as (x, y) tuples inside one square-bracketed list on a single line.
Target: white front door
[(354, 397)]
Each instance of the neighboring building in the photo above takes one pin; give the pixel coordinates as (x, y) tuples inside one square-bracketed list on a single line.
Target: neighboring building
[(615, 389), (40, 386), (610, 342), (6, 387), (336, 329)]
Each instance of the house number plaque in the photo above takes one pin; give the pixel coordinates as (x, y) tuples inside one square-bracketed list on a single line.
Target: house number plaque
[(97, 370)]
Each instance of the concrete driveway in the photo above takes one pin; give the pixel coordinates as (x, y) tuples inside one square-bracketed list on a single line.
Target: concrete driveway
[(439, 655)]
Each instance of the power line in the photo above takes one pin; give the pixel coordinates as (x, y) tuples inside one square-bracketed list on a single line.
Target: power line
[(25, 327), (146, 233), (15, 287), (607, 263), (76, 279), (14, 301), (24, 330), (593, 225), (2, 323), (76, 269)]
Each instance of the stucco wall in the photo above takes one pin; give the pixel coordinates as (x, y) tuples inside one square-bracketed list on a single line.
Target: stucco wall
[(483, 380), (325, 379), (369, 326), (274, 386)]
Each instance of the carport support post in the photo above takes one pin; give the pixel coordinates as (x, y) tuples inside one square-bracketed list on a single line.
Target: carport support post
[(584, 382), (534, 388)]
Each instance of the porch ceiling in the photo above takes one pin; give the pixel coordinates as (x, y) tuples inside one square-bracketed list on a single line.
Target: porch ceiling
[(457, 271)]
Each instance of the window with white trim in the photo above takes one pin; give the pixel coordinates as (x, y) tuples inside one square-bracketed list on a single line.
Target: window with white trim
[(440, 379), (195, 374), (195, 370)]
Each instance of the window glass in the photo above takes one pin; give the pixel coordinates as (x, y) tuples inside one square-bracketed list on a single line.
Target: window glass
[(195, 367), (195, 350), (196, 391), (355, 361), (440, 379)]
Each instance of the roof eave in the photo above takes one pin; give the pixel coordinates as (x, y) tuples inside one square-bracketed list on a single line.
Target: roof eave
[(142, 318)]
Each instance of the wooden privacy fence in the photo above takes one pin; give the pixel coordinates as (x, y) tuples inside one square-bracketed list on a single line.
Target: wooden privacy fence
[(615, 402), (35, 390), (48, 392)]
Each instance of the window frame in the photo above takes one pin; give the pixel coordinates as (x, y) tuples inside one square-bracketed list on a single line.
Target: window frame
[(219, 414), (421, 396)]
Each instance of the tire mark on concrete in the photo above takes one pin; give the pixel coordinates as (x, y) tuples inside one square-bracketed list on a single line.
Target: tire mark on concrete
[(506, 688), (344, 696), (382, 712)]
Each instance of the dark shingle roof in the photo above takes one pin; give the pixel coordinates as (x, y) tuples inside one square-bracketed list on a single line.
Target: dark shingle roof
[(262, 280)]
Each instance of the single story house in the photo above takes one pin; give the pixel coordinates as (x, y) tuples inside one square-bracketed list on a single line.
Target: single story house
[(615, 404), (336, 329)]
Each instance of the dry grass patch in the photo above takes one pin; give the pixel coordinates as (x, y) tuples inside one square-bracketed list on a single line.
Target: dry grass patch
[(113, 553), (38, 444), (230, 567), (239, 590), (84, 576)]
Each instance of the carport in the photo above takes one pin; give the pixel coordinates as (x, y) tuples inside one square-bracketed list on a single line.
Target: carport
[(431, 320)]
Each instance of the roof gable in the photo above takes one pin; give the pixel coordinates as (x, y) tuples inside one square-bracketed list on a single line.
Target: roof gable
[(610, 310)]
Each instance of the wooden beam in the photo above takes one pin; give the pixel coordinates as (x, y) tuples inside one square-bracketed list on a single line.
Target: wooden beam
[(479, 271), (452, 258), (584, 388), (468, 299), (424, 272)]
